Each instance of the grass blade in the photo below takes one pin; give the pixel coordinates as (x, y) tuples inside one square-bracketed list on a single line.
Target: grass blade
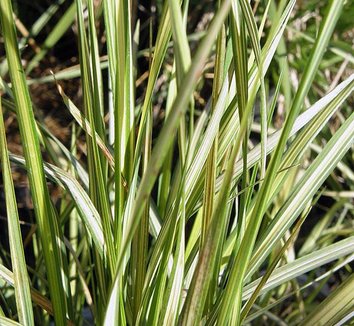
[(46, 218), (338, 305), (22, 285), (244, 254)]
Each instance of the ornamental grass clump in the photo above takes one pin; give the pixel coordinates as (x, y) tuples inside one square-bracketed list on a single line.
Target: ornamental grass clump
[(208, 178)]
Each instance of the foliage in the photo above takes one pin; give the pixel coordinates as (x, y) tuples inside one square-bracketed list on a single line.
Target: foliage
[(178, 207)]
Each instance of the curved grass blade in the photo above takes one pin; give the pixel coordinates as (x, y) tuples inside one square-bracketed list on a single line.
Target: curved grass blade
[(235, 284), (314, 119), (84, 205), (324, 276), (313, 178), (338, 306), (302, 265), (37, 298), (194, 194), (47, 221), (22, 285), (8, 322)]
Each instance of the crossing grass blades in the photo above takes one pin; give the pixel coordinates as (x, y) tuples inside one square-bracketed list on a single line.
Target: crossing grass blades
[(231, 208)]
